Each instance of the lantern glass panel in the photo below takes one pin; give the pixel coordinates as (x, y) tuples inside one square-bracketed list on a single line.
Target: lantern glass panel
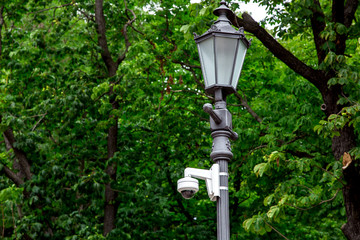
[(206, 52), (240, 56), (225, 49)]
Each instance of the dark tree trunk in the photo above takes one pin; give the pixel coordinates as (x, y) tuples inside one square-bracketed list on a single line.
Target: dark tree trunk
[(111, 204), (351, 193), (340, 145)]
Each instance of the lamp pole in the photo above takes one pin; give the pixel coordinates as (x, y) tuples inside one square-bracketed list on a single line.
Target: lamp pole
[(222, 52), (221, 132)]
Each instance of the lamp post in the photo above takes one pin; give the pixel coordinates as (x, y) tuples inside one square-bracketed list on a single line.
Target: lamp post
[(222, 52)]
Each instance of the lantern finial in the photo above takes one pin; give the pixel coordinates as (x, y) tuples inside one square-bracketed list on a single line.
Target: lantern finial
[(223, 10)]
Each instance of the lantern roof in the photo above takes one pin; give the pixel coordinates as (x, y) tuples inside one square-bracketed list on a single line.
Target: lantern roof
[(222, 27)]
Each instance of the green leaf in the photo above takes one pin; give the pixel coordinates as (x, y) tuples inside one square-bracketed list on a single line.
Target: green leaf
[(268, 200), (203, 11), (259, 169), (341, 29), (332, 117), (273, 212), (248, 224), (330, 58), (332, 81), (185, 28)]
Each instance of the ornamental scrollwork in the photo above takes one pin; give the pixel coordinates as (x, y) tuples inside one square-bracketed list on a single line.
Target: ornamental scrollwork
[(241, 30), (214, 28)]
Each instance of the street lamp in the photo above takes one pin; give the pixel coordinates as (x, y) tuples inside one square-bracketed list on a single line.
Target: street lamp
[(222, 52)]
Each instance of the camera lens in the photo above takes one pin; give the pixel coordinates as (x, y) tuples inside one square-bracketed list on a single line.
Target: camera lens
[(187, 194)]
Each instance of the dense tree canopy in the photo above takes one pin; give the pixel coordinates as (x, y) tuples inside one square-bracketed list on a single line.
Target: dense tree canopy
[(101, 111)]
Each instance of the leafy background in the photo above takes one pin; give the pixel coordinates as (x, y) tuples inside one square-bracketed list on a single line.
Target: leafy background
[(284, 181)]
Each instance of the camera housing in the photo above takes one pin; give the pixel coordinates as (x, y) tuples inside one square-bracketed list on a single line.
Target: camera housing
[(188, 186)]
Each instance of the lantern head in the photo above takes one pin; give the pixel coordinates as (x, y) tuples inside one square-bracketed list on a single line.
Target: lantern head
[(222, 52)]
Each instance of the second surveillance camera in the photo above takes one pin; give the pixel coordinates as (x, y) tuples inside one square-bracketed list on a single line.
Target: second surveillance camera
[(188, 186)]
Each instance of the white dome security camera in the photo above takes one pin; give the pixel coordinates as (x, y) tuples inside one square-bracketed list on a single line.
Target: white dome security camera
[(188, 185)]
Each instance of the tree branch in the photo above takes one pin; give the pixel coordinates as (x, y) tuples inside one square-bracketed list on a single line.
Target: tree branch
[(277, 231), (102, 41), (338, 17), (88, 16), (19, 154), (299, 154), (186, 64), (349, 11), (38, 122), (12, 176), (1, 24), (318, 25), (189, 68), (250, 25), (321, 202), (127, 42), (338, 179), (338, 11), (47, 9), (248, 108)]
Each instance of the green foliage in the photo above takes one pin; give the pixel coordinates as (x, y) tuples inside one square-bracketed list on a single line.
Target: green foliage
[(54, 94)]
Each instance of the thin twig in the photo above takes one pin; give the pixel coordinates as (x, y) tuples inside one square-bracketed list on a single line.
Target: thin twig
[(299, 185), (38, 115), (52, 138), (125, 34), (276, 230), (38, 122), (249, 153), (338, 179), (350, 101), (324, 201), (13, 217), (120, 191), (186, 64), (88, 16), (47, 9), (244, 103)]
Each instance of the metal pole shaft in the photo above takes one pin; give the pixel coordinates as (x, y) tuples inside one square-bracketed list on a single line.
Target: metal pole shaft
[(221, 154), (222, 205)]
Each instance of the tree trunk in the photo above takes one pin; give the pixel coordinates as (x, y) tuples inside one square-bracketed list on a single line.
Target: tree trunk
[(111, 204), (351, 191)]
